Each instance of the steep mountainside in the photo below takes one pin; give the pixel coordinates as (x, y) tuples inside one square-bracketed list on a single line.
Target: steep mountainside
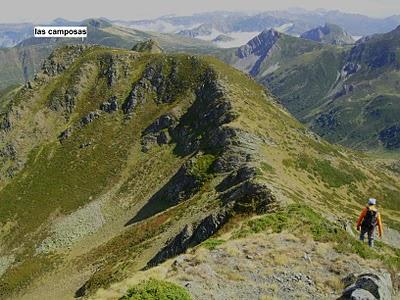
[(115, 160), (329, 34), (331, 88)]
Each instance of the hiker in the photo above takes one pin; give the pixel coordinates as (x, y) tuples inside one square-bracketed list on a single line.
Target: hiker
[(368, 220)]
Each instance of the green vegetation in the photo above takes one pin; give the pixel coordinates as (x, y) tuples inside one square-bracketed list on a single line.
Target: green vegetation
[(201, 167), (267, 168), (212, 243), (332, 176), (302, 220), (153, 289)]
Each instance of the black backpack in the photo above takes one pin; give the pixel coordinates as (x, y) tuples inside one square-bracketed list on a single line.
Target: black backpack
[(370, 219)]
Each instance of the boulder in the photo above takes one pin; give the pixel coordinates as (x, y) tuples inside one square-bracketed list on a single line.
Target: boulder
[(369, 286)]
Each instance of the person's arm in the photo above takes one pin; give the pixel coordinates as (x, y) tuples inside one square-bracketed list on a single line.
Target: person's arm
[(361, 217), (380, 227)]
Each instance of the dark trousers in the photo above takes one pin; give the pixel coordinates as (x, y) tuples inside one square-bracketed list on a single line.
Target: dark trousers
[(370, 233)]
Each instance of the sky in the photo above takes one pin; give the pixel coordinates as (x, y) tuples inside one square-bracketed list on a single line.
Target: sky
[(45, 10)]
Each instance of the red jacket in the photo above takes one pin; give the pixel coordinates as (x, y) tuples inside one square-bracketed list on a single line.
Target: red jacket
[(364, 213)]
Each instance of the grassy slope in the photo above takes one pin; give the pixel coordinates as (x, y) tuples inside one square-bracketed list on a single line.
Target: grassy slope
[(113, 170)]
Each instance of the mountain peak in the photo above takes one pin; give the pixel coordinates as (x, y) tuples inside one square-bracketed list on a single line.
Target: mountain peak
[(261, 44), (329, 34)]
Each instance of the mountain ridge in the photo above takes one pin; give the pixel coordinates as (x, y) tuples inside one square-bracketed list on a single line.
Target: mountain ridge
[(158, 160)]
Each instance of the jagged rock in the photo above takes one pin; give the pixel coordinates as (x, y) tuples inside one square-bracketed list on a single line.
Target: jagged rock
[(136, 96), (369, 285), (238, 147), (236, 177), (5, 123), (190, 235), (163, 122), (62, 58), (109, 70), (350, 68), (89, 118), (260, 44), (156, 132), (248, 197), (256, 51), (8, 152), (110, 106), (66, 102)]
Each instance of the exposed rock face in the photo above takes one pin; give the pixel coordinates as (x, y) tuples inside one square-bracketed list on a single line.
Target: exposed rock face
[(8, 152), (110, 106), (259, 45), (89, 118), (256, 51), (191, 235), (109, 69), (248, 197), (60, 60), (368, 286), (5, 123), (158, 132), (65, 102), (149, 46)]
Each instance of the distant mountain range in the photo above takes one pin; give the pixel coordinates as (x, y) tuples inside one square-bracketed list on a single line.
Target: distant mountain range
[(349, 95), (209, 25), (18, 64)]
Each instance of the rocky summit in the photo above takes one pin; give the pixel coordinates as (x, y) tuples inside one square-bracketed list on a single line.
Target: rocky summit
[(115, 163), (329, 34)]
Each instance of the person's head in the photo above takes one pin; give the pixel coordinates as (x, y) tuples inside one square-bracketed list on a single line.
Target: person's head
[(371, 201)]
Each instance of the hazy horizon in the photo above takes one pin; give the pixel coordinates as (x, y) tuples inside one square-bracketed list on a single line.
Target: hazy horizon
[(46, 10)]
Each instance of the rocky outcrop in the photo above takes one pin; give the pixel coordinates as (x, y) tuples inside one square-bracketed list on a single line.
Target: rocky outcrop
[(368, 286), (109, 106), (89, 118), (8, 152), (109, 69), (62, 58), (248, 197), (5, 122), (65, 101), (149, 46), (158, 133), (191, 235)]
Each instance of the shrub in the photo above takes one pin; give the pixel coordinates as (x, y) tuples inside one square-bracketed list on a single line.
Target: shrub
[(157, 290)]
